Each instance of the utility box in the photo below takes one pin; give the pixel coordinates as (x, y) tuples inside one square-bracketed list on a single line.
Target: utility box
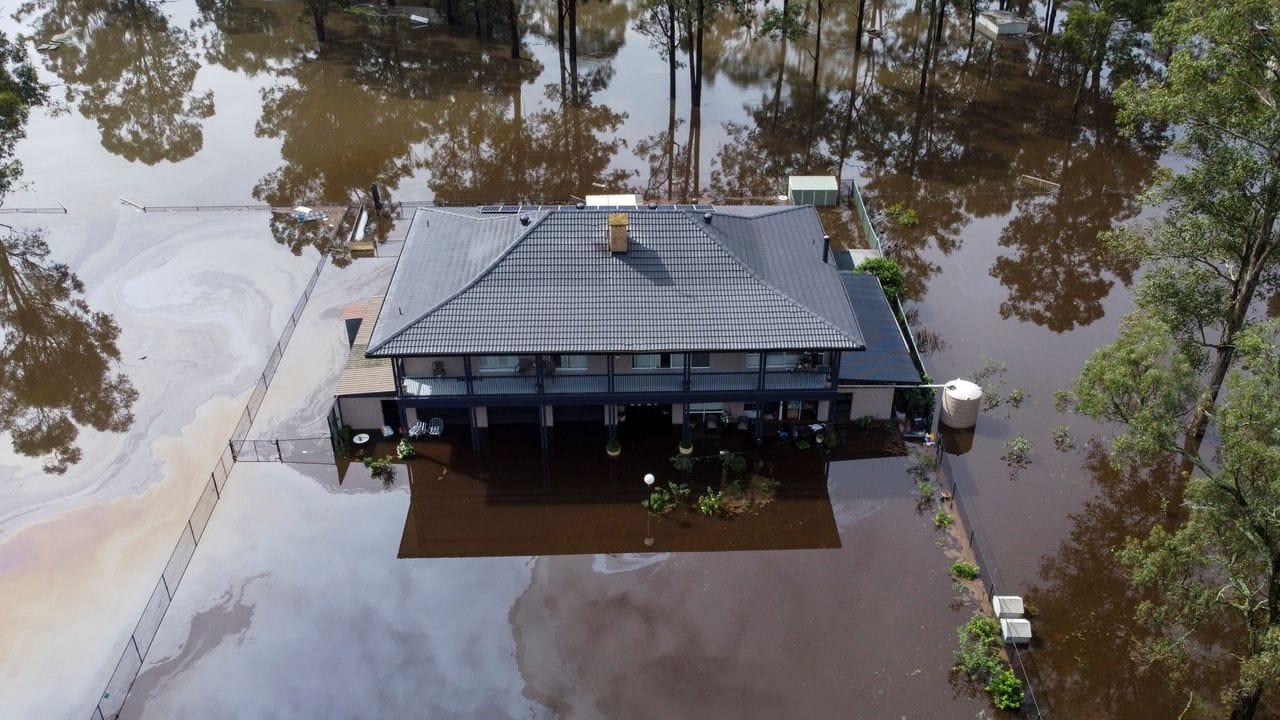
[(820, 190), (1015, 631), (1008, 606)]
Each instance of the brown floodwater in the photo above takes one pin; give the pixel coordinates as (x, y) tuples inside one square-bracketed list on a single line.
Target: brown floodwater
[(220, 102), (511, 498)]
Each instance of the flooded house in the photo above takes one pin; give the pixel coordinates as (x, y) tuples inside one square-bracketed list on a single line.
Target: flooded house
[(694, 317)]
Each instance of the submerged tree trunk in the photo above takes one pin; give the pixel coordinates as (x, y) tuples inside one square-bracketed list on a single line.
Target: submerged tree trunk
[(696, 95), (857, 42), (671, 54), (560, 9), (512, 20), (319, 20), (928, 48), (573, 48)]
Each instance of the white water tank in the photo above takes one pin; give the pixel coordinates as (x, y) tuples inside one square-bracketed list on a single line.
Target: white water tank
[(961, 401)]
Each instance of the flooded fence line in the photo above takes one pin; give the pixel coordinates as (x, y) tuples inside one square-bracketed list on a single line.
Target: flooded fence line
[(60, 210), (317, 450), (955, 479), (110, 703), (197, 208)]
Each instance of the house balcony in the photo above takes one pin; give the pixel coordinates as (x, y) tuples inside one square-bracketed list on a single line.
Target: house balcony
[(564, 383)]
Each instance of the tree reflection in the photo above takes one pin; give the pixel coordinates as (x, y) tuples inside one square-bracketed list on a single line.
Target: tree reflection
[(1086, 602), (1057, 273), (491, 146), (56, 357), (132, 73), (247, 37), (357, 114)]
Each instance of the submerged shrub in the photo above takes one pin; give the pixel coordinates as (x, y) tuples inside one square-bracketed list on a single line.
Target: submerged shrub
[(965, 570), (942, 519), (1006, 690)]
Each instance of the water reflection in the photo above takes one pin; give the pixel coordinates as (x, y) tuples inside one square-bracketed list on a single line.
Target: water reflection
[(492, 148), (1085, 604), (517, 500), (131, 72), (57, 357), (1058, 274)]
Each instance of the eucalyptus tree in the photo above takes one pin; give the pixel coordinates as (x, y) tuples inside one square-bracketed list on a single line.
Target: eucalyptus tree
[(658, 21), (1213, 256)]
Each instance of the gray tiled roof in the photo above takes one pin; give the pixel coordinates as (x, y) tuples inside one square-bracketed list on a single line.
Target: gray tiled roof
[(886, 359), (488, 284)]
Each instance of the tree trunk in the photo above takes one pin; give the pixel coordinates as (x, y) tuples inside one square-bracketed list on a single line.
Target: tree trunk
[(857, 42), (573, 48), (941, 22), (671, 53), (973, 20), (451, 11), (702, 21), (319, 20), (671, 141), (928, 49), (1246, 285), (560, 9), (512, 20), (817, 47)]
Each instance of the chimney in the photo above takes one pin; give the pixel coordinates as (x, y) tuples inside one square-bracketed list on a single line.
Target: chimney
[(826, 248), (618, 232)]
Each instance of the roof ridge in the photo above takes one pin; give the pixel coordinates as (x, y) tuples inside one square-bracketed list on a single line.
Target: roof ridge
[(471, 283), (755, 275)]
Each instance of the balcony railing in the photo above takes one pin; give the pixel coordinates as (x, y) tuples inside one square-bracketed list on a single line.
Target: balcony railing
[(623, 383)]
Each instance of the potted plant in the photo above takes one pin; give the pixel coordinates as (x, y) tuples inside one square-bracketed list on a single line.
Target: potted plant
[(404, 449), (614, 449), (686, 447)]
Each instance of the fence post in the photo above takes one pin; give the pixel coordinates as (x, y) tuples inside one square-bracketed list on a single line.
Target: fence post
[(232, 444), (279, 454)]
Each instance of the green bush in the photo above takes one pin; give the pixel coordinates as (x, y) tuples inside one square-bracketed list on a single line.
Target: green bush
[(382, 468), (903, 215), (679, 493), (887, 271), (404, 449), (978, 657), (926, 490), (710, 503), (733, 463), (1063, 440), (1006, 690), (683, 463), (1017, 452), (658, 502), (942, 519), (965, 570)]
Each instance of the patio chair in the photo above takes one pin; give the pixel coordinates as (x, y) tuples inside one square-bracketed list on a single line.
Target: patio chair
[(437, 369), (436, 428), (524, 366), (418, 430)]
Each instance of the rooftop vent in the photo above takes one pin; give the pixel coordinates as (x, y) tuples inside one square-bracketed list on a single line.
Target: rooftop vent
[(618, 232)]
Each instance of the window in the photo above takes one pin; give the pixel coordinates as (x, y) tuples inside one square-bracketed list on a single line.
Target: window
[(499, 363), (570, 362), (776, 361), (700, 361), (651, 362)]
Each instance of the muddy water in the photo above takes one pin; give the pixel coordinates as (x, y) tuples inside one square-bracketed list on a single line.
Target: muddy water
[(233, 103)]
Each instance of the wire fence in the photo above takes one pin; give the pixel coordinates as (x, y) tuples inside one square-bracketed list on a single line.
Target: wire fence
[(108, 706), (955, 479), (313, 450), (194, 208), (60, 210)]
